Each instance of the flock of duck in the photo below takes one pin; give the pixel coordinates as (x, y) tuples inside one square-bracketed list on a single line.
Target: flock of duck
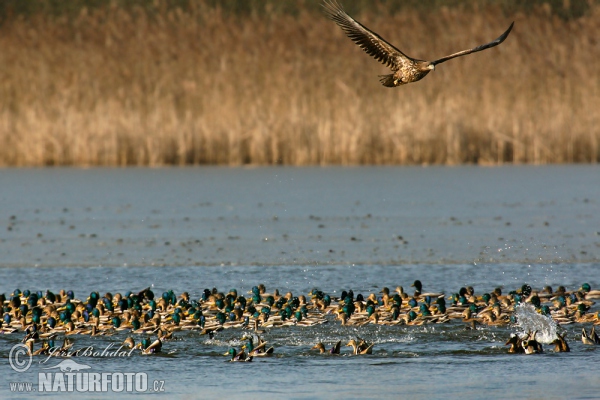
[(43, 317)]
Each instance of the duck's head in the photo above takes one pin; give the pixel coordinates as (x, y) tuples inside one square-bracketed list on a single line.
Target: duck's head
[(526, 290), (417, 285), (270, 300), (412, 315), (129, 342), (585, 287), (231, 353), (454, 298), (319, 346), (517, 298), (32, 299), (559, 302), (348, 309), (93, 299), (424, 310), (15, 301), (64, 316), (535, 300), (486, 298)]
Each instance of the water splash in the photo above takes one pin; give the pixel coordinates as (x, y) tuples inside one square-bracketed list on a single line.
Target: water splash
[(529, 320)]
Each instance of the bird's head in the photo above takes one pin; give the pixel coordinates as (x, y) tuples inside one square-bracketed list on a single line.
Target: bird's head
[(431, 66)]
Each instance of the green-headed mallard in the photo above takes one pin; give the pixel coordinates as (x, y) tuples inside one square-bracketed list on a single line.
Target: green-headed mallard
[(589, 293), (259, 351), (238, 357), (419, 291), (150, 348)]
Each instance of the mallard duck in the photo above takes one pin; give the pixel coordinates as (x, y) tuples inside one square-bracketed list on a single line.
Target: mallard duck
[(589, 293), (129, 343), (591, 338), (165, 334), (334, 350), (419, 291), (150, 348), (238, 357), (515, 343), (531, 345), (259, 351), (44, 350), (560, 344), (361, 347)]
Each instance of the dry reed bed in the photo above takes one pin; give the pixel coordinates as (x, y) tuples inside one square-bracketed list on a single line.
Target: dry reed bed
[(115, 87)]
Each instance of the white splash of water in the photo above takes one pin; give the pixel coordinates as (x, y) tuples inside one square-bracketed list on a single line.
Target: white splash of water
[(529, 320)]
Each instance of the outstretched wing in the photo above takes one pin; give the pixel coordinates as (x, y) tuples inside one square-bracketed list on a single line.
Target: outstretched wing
[(373, 44), (493, 43)]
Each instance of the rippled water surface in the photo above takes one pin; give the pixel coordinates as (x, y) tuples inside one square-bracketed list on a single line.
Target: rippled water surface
[(297, 229)]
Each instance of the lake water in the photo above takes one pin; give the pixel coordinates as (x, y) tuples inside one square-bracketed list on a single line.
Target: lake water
[(295, 229)]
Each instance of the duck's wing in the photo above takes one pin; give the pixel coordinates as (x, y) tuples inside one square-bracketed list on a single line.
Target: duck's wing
[(368, 350), (373, 44), (260, 348), (493, 43), (336, 349), (156, 347), (585, 338), (594, 336)]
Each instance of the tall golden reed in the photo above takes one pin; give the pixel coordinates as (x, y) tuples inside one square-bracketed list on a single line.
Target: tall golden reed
[(118, 86)]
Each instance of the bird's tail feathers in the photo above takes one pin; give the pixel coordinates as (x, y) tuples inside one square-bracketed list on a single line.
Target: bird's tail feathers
[(387, 80)]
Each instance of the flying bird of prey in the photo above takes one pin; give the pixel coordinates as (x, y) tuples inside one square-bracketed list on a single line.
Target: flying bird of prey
[(405, 69)]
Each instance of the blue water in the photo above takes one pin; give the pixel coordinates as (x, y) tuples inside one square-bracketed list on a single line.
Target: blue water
[(299, 228)]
